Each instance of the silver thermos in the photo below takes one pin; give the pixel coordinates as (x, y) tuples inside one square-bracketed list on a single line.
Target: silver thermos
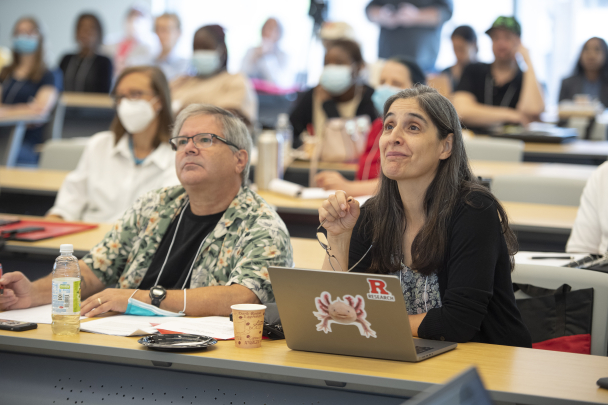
[(270, 159)]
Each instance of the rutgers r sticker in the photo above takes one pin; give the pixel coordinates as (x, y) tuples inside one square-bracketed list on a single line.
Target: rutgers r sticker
[(378, 291)]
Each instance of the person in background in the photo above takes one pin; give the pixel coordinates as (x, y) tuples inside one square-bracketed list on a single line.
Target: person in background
[(411, 28), (168, 28), (134, 157), (339, 93), (434, 226), (333, 30), (590, 74), (133, 49), (398, 73), (87, 71), (464, 42), (268, 62), (212, 83), (500, 93), (590, 230), (197, 248), (28, 87)]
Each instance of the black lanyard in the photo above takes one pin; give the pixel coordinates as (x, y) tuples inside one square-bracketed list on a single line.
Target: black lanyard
[(489, 92)]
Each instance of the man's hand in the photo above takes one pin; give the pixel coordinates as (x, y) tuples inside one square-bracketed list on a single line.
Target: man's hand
[(110, 299), (17, 291)]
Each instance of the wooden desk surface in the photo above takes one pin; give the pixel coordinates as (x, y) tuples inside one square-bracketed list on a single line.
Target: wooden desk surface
[(576, 147), (49, 181), (31, 181), (522, 215), (30, 119), (306, 252), (87, 100), (511, 374)]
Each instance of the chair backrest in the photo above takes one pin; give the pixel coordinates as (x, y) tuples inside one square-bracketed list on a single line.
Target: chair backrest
[(538, 189), (62, 154), (553, 277), (505, 150)]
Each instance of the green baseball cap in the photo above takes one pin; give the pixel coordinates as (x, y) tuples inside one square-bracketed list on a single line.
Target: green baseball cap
[(506, 23)]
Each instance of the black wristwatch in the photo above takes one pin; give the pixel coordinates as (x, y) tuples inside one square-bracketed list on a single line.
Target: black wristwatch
[(157, 294)]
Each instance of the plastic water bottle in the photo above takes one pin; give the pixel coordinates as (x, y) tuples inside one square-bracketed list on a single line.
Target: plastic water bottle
[(66, 293), (285, 131), (270, 159)]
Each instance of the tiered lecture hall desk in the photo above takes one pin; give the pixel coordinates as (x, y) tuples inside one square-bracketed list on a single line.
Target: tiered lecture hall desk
[(40, 368), (539, 226), (82, 114), (12, 131)]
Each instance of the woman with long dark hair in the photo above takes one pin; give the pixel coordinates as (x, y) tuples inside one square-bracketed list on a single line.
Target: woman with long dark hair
[(590, 74), (434, 226)]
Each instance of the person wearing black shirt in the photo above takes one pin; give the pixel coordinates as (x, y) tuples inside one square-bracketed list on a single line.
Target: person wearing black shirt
[(87, 71), (338, 94), (500, 92), (433, 225)]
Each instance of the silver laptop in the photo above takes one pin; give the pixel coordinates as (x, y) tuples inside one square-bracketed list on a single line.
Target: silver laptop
[(348, 313)]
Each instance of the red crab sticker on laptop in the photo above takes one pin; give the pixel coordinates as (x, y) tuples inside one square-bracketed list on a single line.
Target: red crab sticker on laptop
[(378, 291), (347, 310)]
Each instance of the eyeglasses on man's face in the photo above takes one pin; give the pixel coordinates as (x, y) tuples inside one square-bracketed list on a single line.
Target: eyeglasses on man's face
[(201, 141)]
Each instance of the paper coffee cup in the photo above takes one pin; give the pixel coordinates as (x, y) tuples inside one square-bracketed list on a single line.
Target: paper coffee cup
[(248, 320)]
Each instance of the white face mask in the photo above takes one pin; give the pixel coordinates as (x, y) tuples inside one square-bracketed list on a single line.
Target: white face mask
[(205, 62), (336, 79), (135, 115)]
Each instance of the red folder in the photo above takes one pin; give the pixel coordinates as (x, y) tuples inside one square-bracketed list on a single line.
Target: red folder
[(51, 229)]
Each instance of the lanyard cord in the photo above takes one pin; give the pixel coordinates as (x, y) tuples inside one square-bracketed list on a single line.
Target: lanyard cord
[(171, 246), (489, 92)]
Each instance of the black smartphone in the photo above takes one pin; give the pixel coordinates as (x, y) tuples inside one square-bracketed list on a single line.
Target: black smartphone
[(25, 229), (4, 222), (17, 326)]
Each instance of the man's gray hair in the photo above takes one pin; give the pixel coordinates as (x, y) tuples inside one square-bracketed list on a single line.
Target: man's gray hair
[(233, 129)]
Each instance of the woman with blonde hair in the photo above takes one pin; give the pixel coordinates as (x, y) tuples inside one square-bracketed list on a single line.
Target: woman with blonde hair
[(132, 158)]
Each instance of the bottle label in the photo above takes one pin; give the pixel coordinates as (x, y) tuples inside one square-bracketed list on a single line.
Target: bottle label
[(66, 296)]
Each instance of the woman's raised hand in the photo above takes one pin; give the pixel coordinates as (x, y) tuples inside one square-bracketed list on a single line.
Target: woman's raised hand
[(340, 213)]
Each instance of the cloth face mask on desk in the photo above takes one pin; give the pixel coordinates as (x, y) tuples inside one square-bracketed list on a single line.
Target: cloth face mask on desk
[(136, 307)]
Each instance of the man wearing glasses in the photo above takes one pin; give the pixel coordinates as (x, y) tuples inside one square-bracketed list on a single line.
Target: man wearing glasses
[(211, 235)]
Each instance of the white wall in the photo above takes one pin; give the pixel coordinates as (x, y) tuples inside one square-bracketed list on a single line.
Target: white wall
[(58, 18)]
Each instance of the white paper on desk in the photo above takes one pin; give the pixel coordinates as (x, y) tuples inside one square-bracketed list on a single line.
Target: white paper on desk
[(123, 325), (526, 258), (316, 193), (218, 327), (564, 171), (40, 314), (285, 187), (295, 190), (363, 199)]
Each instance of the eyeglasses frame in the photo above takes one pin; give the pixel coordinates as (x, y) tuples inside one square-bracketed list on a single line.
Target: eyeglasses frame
[(227, 142)]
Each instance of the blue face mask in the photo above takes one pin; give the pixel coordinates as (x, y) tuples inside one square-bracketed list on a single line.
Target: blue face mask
[(136, 307), (205, 62), (25, 44), (381, 94), (336, 79)]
